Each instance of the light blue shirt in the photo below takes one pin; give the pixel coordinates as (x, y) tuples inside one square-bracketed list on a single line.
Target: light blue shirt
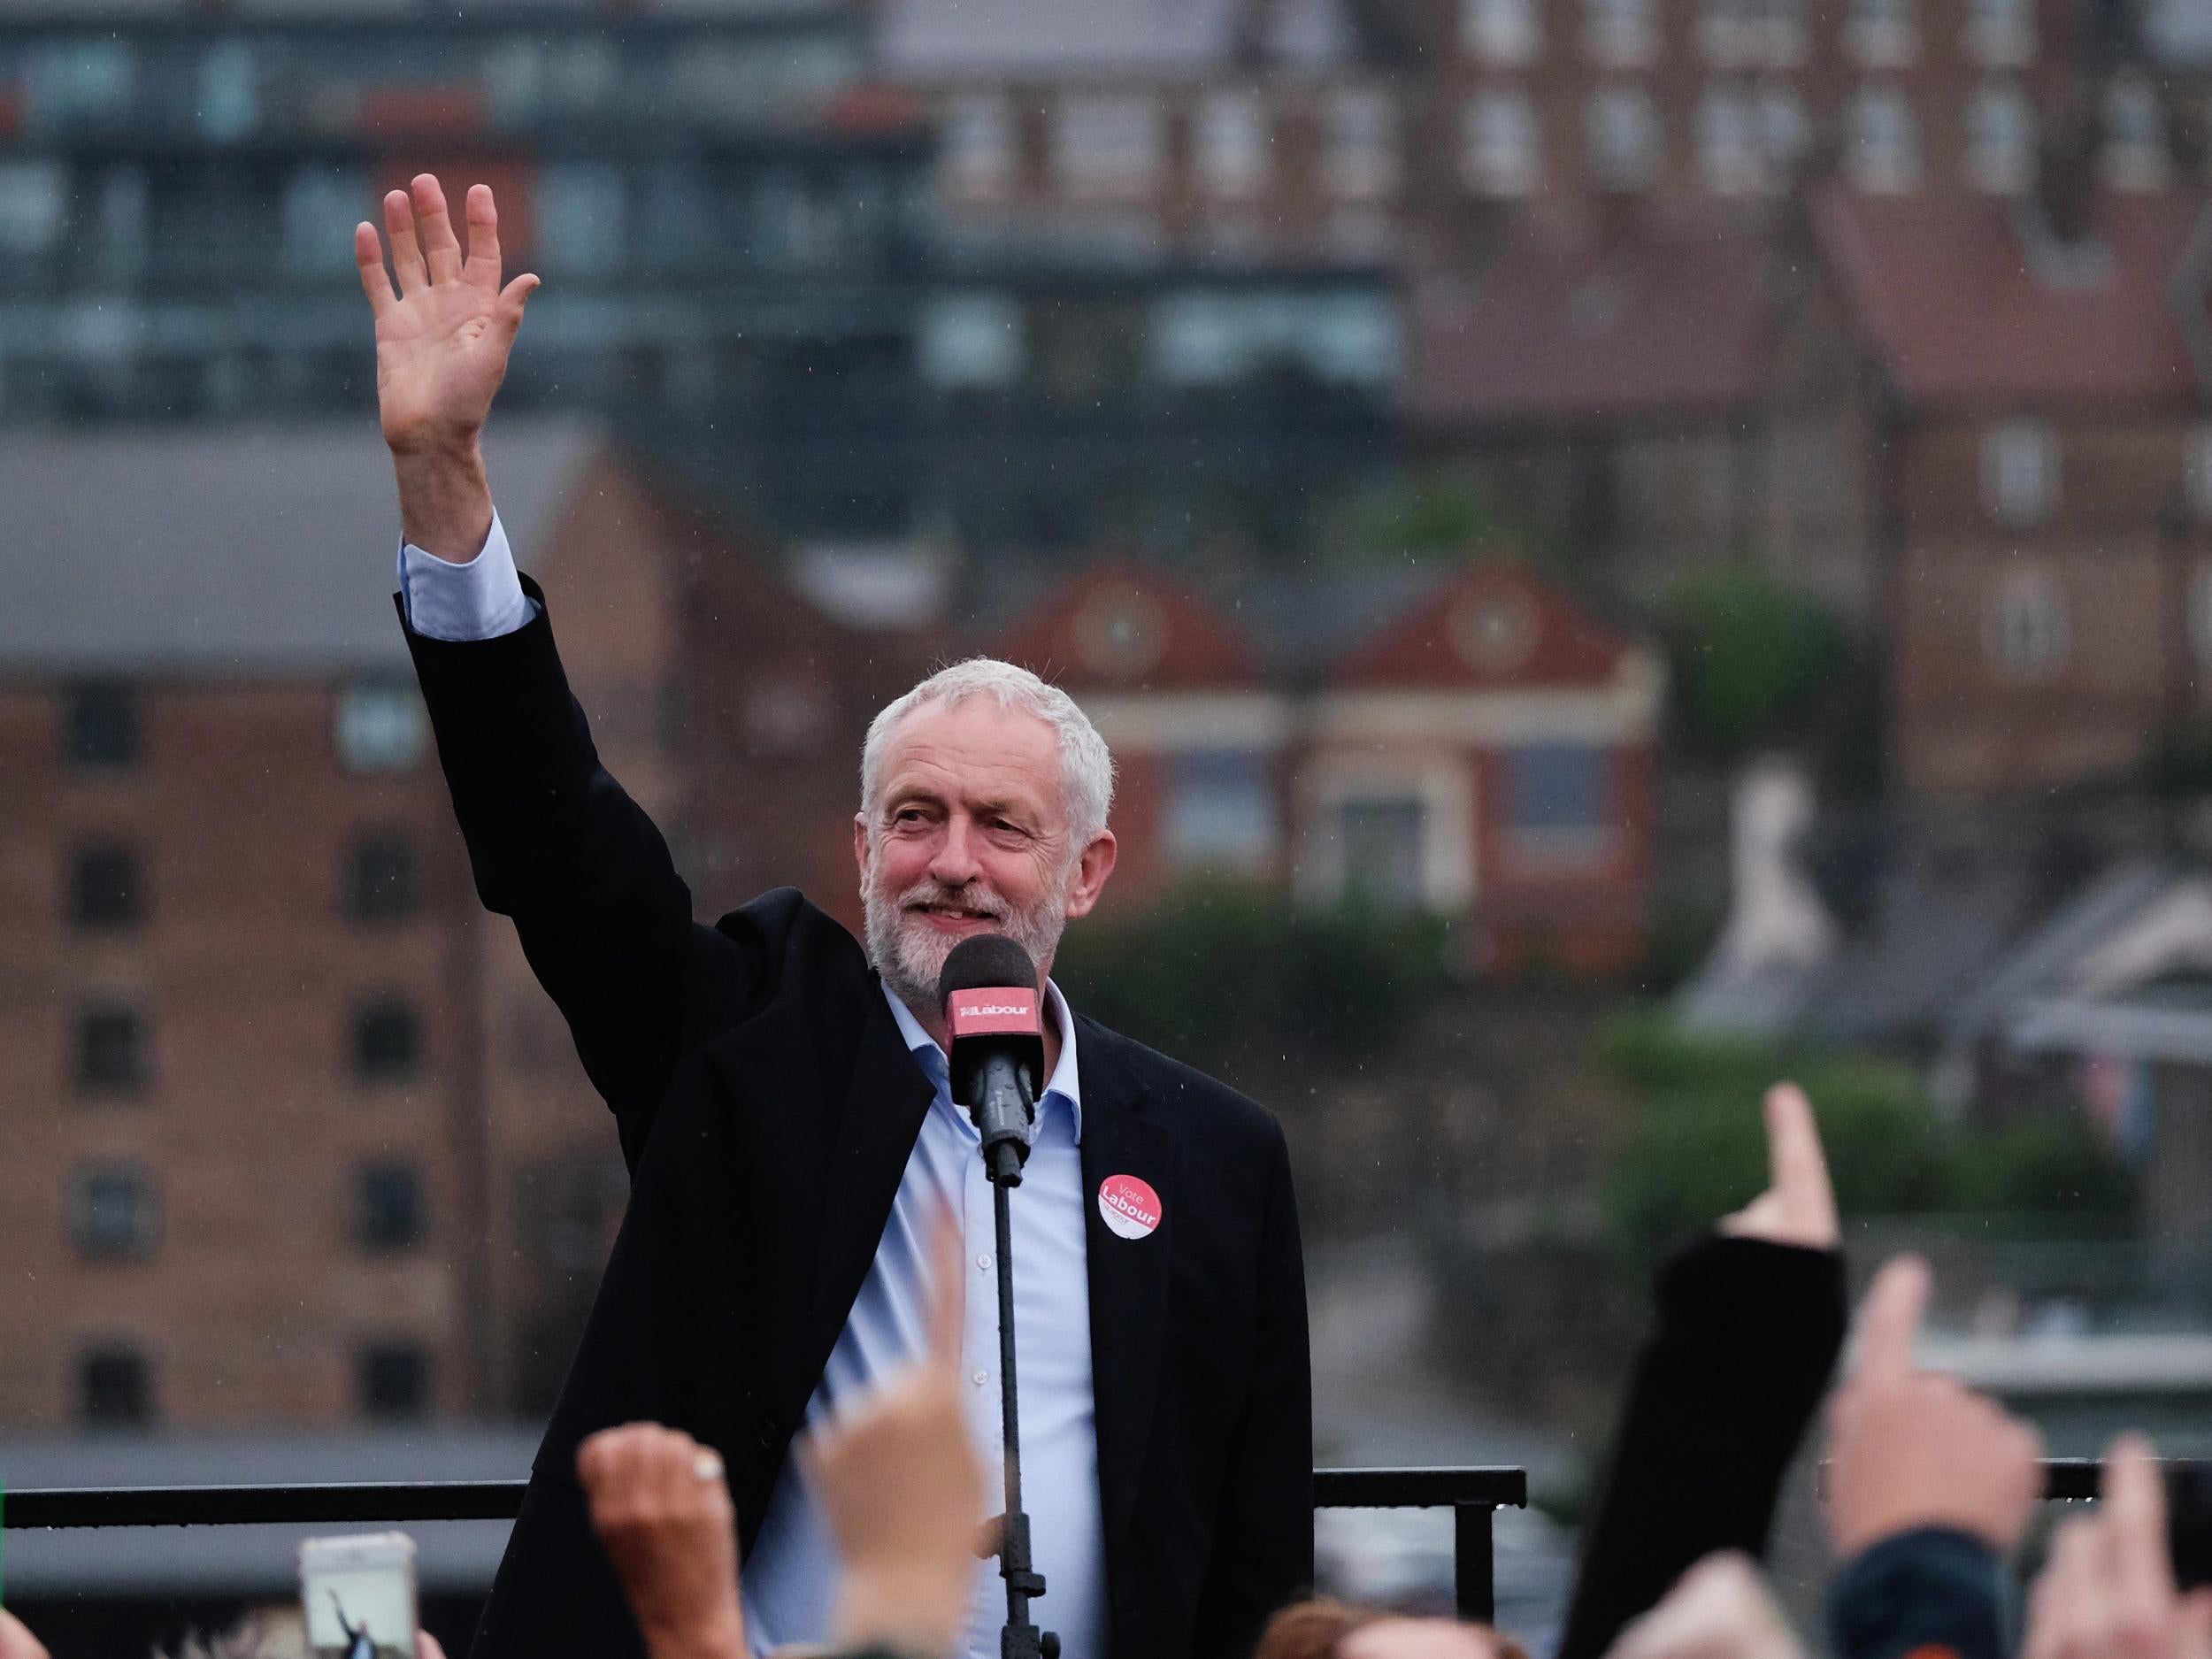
[(790, 1577)]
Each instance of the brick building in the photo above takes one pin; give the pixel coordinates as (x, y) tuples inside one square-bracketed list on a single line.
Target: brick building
[(2038, 461)]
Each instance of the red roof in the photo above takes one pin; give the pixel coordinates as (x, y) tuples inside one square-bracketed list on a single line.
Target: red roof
[(1572, 332), (1963, 304), (1121, 626), (1496, 626)]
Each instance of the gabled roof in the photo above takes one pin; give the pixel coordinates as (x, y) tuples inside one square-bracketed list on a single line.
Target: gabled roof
[(249, 549), (1492, 626), (1573, 332), (1121, 626), (1967, 300)]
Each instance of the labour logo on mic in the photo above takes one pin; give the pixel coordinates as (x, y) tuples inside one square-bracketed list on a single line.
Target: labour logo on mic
[(1130, 1206)]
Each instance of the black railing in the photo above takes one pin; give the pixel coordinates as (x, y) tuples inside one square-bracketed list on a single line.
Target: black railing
[(1471, 1494)]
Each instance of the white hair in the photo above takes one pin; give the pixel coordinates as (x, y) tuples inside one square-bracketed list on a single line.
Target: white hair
[(1087, 768)]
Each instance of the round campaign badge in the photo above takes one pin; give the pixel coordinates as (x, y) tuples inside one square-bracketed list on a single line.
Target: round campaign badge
[(1131, 1207)]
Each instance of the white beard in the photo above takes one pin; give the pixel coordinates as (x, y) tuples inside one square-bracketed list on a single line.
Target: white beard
[(910, 954)]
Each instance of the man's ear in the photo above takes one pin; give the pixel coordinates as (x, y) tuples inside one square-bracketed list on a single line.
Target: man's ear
[(860, 847), (1091, 871)]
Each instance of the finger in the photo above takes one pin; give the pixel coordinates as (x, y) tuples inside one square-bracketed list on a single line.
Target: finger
[(1889, 1320), (2135, 1527), (482, 267), (426, 1645), (376, 282), (1798, 1168), (2062, 1603), (399, 225), (2193, 1626), (507, 313), (947, 1293), (434, 223)]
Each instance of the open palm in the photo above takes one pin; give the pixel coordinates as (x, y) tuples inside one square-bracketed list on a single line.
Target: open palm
[(444, 331)]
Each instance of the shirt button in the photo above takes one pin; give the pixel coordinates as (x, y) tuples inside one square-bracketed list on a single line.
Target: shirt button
[(979, 1379), (983, 1261)]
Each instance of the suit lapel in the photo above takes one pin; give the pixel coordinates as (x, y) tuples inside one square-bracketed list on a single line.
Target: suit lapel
[(1122, 1134), (881, 1117)]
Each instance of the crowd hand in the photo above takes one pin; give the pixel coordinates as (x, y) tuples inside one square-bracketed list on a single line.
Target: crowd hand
[(1799, 1206), (2108, 1591), (662, 1512), (443, 323), (1721, 1608), (16, 1640), (1417, 1639), (428, 1647), (1909, 1448), (901, 1483)]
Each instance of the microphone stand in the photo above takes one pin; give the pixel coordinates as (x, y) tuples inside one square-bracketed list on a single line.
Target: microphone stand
[(1003, 1122)]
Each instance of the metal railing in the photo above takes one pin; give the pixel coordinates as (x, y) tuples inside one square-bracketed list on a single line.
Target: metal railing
[(1473, 1495)]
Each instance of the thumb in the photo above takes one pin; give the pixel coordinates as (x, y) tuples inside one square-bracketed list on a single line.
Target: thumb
[(512, 298)]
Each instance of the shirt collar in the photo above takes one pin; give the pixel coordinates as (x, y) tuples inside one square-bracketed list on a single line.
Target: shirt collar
[(1066, 1081)]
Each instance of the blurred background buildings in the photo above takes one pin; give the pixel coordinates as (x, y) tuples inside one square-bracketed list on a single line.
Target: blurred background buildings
[(1623, 545)]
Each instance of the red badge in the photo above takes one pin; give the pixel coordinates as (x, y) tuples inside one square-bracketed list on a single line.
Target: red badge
[(1131, 1207)]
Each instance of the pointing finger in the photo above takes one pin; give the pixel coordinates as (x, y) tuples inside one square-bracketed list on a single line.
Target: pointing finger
[(1798, 1168), (1889, 1320), (2135, 1517)]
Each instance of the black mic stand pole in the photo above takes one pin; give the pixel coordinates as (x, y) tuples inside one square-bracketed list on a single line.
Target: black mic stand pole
[(1005, 1147)]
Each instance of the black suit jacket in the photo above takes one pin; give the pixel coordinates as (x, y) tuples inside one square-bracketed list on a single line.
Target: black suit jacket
[(766, 1106)]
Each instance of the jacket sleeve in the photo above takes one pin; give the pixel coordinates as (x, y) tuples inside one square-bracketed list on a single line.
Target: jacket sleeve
[(1746, 1336), (1927, 1590), (1262, 1557), (556, 844)]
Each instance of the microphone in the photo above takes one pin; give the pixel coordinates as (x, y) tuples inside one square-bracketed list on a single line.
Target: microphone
[(996, 1045)]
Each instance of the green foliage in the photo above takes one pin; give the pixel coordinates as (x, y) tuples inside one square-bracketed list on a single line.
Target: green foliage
[(1218, 964), (1438, 515), (1754, 662), (1696, 1146)]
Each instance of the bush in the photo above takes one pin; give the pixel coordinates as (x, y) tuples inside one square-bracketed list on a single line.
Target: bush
[(1216, 966), (1696, 1146), (1755, 663)]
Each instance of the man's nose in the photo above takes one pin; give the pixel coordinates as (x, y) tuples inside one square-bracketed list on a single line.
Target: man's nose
[(955, 863)]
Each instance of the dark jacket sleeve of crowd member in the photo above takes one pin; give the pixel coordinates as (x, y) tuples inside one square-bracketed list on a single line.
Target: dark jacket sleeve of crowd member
[(556, 844), (1264, 1541), (1745, 1340), (1932, 1591)]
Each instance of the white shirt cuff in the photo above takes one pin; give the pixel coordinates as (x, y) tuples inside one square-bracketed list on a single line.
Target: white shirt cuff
[(479, 600)]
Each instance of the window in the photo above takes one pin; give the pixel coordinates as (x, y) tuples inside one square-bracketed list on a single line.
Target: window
[(229, 89), (387, 1042), (111, 1212), (80, 81), (382, 880), (1107, 144), (970, 339), (111, 1052), (1383, 845), (1499, 31), (102, 725), (34, 206), (1728, 143), (1619, 33), (1882, 151), (1736, 33), (2001, 141), (390, 1208), (1499, 144), (114, 1388), (395, 1382), (2134, 136), (1359, 155), (1220, 810), (106, 889), (2025, 634), (322, 203), (1784, 131), (382, 726), (1624, 138), (2000, 32), (1229, 144), (1557, 798), (978, 144), (1880, 33), (2020, 472)]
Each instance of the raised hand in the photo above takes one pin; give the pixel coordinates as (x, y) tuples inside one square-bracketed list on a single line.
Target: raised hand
[(901, 1485), (2107, 1590), (1721, 1608), (662, 1512), (1909, 1448), (443, 333), (1798, 1207)]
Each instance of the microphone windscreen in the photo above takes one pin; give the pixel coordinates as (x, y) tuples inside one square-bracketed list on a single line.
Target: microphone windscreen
[(986, 962)]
